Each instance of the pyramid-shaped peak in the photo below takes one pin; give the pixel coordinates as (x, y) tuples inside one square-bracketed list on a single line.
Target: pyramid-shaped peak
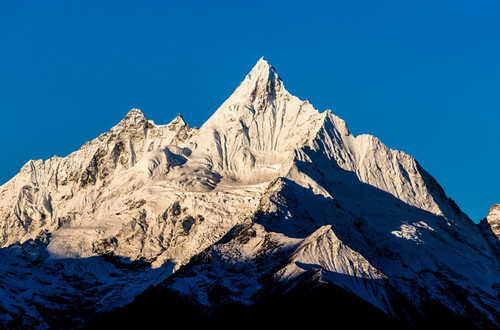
[(263, 61), (262, 81), (263, 70), (257, 93), (178, 120)]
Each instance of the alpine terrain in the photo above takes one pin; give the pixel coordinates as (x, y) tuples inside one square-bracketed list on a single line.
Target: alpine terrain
[(270, 213)]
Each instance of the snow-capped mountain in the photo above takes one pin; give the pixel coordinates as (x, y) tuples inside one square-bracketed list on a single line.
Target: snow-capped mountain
[(267, 193)]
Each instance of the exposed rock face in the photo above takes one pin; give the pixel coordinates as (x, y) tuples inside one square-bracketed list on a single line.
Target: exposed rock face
[(266, 193)]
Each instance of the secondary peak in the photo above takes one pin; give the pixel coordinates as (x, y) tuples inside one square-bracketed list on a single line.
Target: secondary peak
[(134, 115), (178, 120)]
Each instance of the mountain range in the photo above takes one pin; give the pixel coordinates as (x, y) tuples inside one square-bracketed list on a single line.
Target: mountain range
[(271, 208)]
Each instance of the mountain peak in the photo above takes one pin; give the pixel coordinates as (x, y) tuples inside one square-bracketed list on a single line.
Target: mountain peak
[(262, 82), (135, 112), (133, 118), (178, 120), (263, 69), (134, 115), (263, 62)]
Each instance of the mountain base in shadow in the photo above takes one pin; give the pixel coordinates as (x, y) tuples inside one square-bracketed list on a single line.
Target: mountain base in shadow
[(325, 304)]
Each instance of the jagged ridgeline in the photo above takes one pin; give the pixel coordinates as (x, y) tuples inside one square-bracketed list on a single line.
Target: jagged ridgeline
[(269, 201)]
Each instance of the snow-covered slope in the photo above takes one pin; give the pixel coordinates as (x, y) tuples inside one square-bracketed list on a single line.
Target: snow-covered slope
[(267, 191)]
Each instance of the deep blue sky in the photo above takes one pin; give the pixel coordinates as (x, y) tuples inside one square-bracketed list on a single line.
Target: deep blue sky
[(423, 76)]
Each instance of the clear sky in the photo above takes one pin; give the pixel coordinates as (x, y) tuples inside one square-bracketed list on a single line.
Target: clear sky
[(423, 76)]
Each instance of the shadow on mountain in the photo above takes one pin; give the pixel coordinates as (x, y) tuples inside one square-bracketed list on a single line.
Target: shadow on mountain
[(65, 292), (355, 210), (312, 308), (372, 222), (305, 303), (488, 232)]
